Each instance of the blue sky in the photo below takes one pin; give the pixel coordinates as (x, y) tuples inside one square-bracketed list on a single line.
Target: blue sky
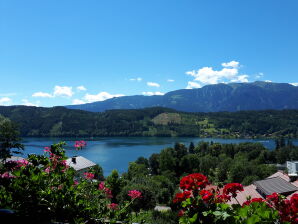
[(63, 52)]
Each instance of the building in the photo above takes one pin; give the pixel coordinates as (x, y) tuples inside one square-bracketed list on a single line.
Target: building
[(292, 167), (278, 182), (14, 158), (80, 164)]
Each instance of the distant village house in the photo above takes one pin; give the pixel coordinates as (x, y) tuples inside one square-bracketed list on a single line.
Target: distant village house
[(80, 164)]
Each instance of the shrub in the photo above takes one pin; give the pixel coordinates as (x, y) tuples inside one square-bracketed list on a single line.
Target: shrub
[(200, 205)]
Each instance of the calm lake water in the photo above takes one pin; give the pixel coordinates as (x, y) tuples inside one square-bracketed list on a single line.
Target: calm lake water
[(116, 152)]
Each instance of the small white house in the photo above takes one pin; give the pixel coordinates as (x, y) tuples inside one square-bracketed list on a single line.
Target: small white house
[(292, 167), (14, 159), (80, 164)]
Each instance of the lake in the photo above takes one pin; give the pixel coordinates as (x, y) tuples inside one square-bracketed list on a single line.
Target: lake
[(116, 152)]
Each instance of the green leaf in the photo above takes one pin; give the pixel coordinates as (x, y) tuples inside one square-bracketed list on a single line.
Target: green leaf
[(217, 213), (253, 219), (194, 218)]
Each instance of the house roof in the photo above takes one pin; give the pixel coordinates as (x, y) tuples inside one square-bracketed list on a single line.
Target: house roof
[(81, 163), (281, 175), (275, 184), (14, 158), (248, 191), (251, 190)]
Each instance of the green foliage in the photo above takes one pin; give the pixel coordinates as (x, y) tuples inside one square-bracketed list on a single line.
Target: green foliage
[(241, 163), (115, 183), (255, 213), (98, 172), (9, 139), (42, 189), (157, 121), (148, 198)]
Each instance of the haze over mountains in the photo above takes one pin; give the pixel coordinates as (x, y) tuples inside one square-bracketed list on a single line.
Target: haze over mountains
[(210, 98)]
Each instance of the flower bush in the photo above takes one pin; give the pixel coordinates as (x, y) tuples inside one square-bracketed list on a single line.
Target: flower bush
[(44, 189), (200, 205), (80, 144)]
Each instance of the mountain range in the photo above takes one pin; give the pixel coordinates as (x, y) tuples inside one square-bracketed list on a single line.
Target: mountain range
[(210, 98)]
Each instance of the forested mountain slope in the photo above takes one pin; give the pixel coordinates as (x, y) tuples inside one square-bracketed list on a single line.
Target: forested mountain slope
[(210, 98), (157, 121)]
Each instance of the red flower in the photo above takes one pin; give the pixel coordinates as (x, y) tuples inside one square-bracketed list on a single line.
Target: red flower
[(47, 149), (107, 191), (113, 206), (194, 181), (22, 163), (101, 185), (80, 144), (182, 196), (89, 176), (273, 198), (258, 200), (181, 213), (7, 175), (134, 194), (206, 195), (221, 198), (294, 203), (232, 189)]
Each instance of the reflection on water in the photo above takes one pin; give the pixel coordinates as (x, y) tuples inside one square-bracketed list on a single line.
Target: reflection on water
[(116, 152)]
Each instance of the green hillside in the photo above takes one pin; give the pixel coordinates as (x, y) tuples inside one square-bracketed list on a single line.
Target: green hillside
[(157, 121)]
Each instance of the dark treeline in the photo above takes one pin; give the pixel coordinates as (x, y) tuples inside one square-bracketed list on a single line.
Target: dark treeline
[(157, 121)]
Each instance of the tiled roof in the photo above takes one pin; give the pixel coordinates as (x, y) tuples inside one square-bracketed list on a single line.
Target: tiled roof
[(275, 184), (281, 175), (249, 191), (81, 163)]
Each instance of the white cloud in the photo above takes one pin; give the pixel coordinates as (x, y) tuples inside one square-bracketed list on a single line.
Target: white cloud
[(154, 84), (65, 91), (192, 85), (139, 79), (233, 64), (42, 94), (81, 88), (100, 96), (170, 80), (27, 103), (294, 83), (259, 75), (229, 73), (5, 101), (240, 78), (152, 93), (78, 101), (268, 81)]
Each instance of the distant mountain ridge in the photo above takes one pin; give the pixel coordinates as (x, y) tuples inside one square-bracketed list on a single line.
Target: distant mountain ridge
[(210, 98)]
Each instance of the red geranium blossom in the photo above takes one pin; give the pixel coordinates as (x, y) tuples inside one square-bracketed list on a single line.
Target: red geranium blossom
[(232, 189), (182, 196), (258, 200), (222, 198), (113, 206), (89, 176), (134, 194), (193, 181), (206, 195)]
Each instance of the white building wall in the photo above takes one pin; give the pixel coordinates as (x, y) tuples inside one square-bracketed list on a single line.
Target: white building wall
[(292, 167)]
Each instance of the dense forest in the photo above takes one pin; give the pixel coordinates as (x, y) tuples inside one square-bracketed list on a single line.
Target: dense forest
[(156, 121)]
